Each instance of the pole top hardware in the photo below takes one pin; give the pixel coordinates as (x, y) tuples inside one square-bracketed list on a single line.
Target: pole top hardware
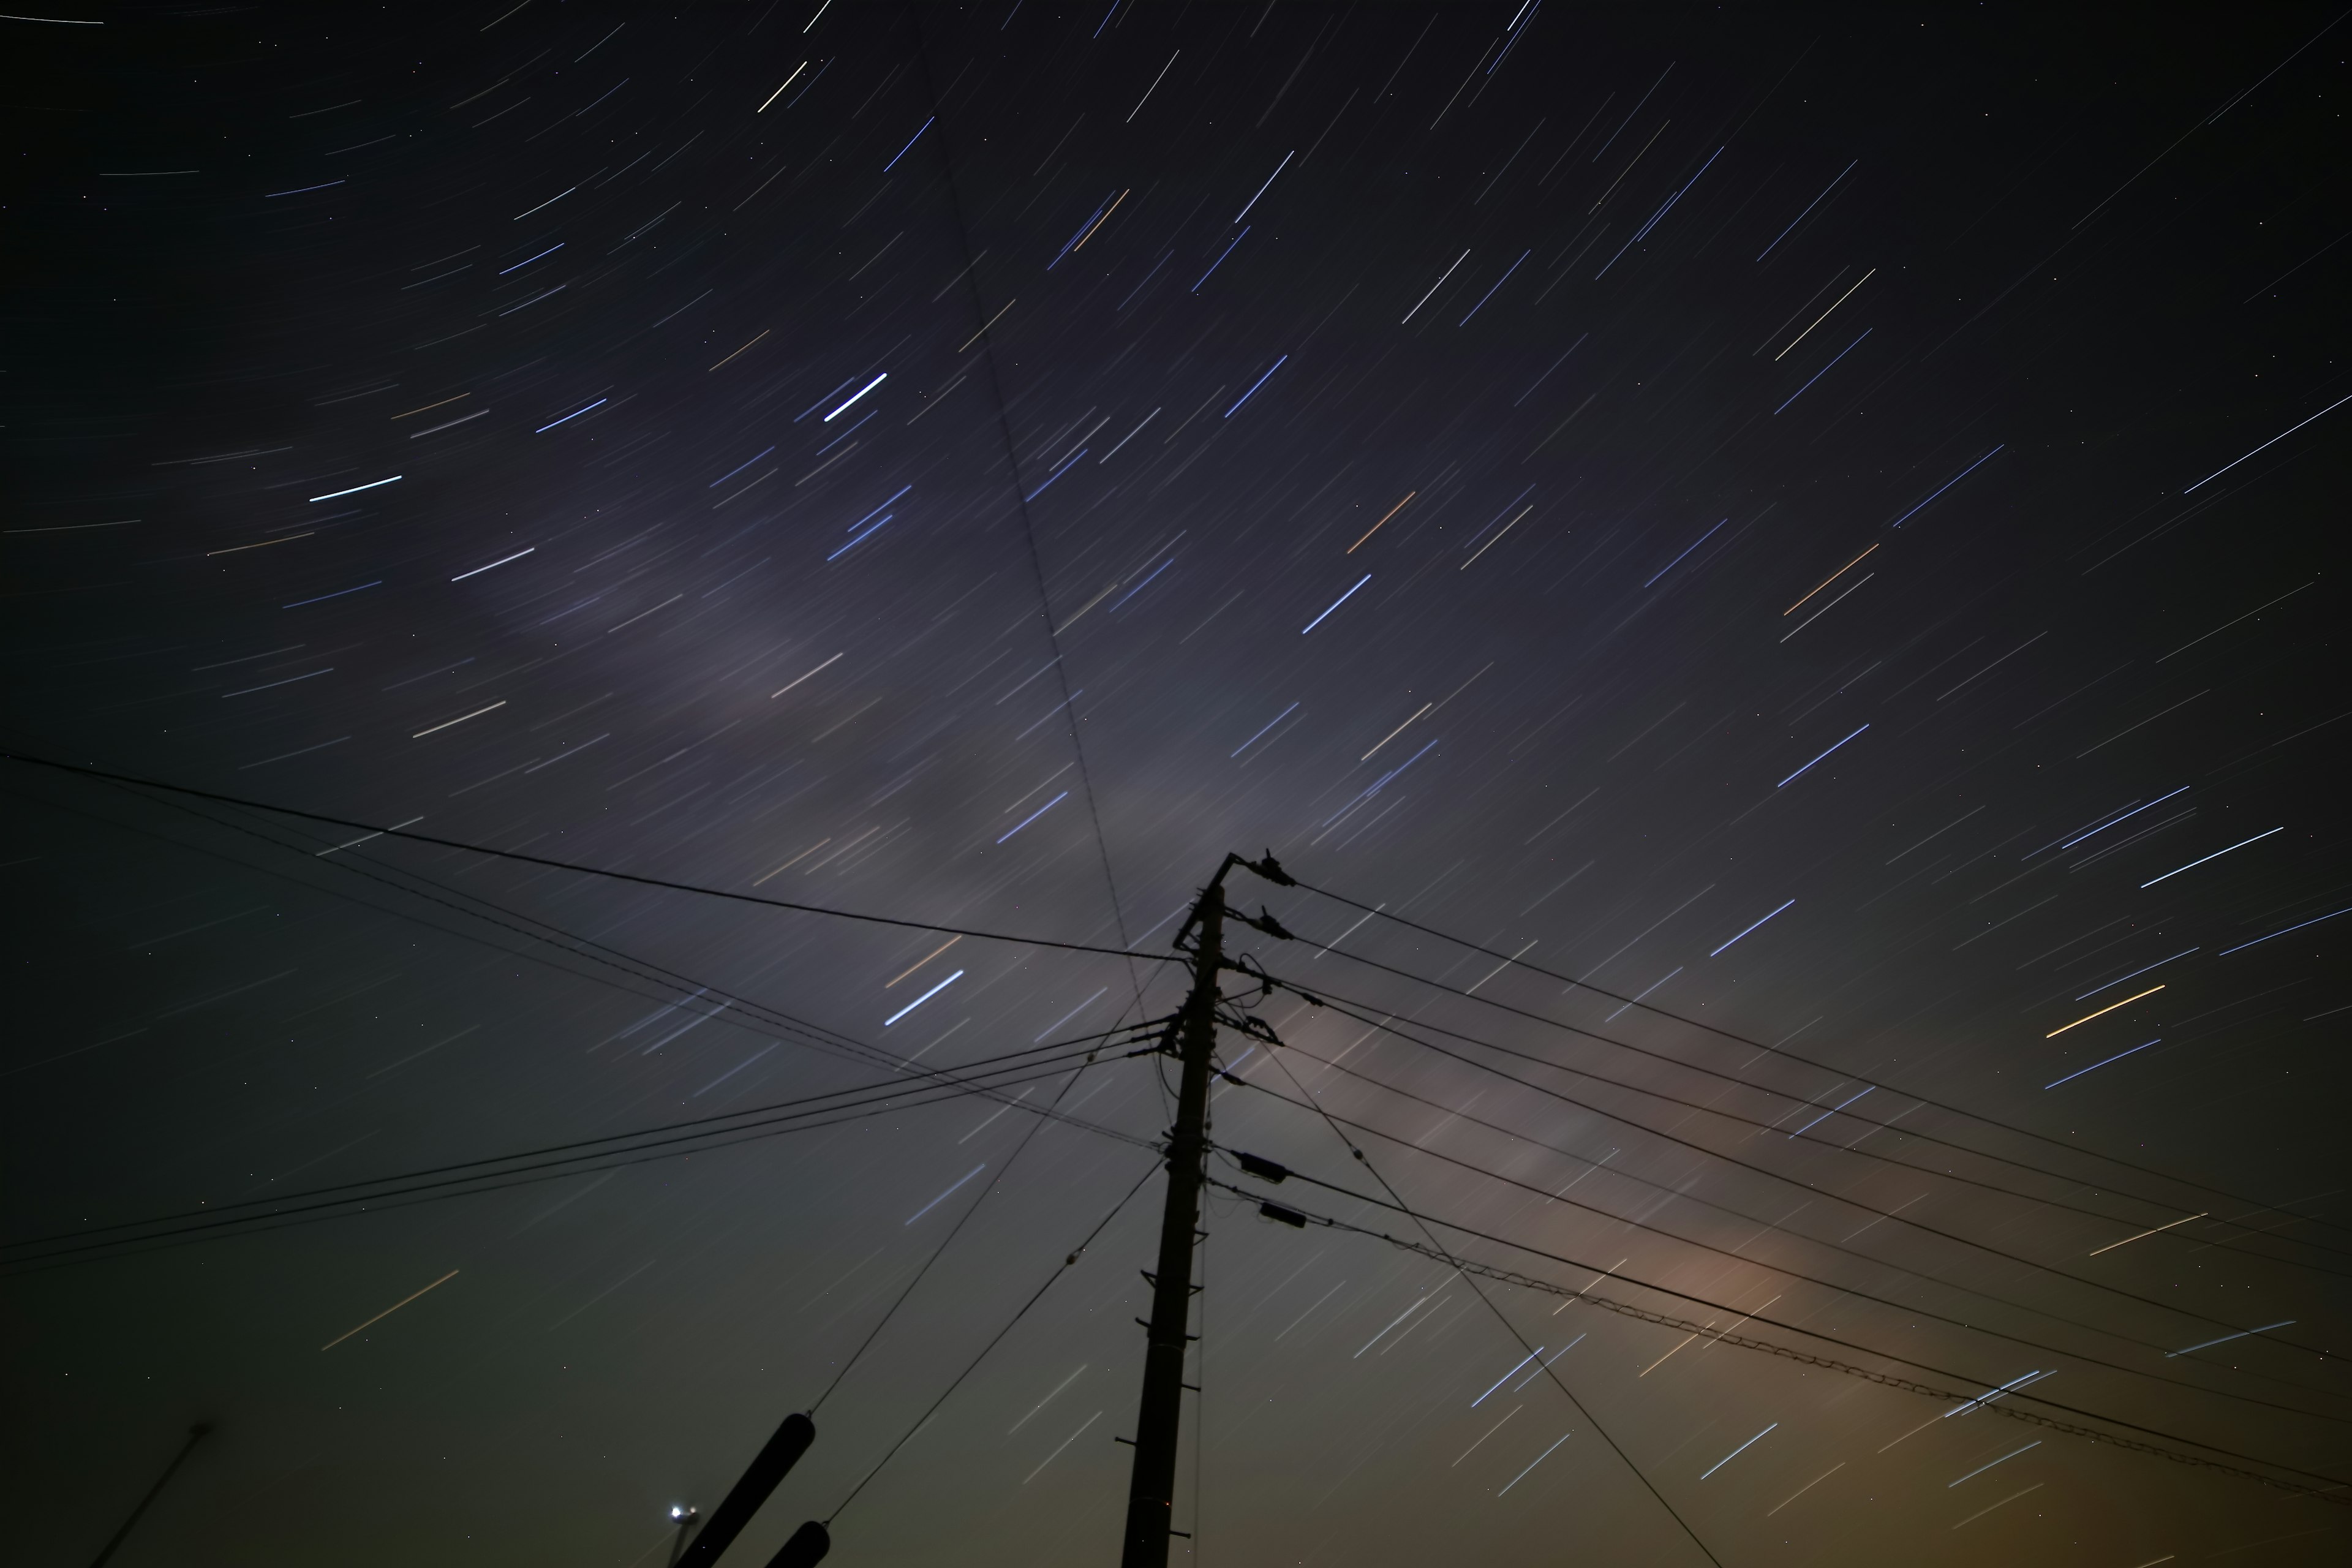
[(1264, 1169), (1270, 868), (1258, 1028), (1263, 920)]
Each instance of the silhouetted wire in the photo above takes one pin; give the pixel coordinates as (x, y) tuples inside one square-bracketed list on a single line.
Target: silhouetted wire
[(1390, 1028), (1910, 1309), (2333, 1491), (1068, 1050), (961, 1220), (1801, 1101), (132, 1247), (878, 1099), (462, 901), (1342, 1006), (1053, 641), (1020, 494), (665, 884), (974, 1365), (1623, 1174), (676, 989), (1806, 1061), (1797, 1101), (1534, 1352), (817, 1034)]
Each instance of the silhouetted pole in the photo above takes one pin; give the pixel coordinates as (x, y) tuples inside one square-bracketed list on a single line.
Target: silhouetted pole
[(744, 1500), (807, 1548), (1159, 1414), (196, 1435)]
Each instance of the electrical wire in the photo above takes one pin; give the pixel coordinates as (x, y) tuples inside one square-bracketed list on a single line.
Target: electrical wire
[(587, 1148), (1623, 1174), (974, 1365), (1910, 1308), (1012, 464), (2330, 1491), (678, 990), (961, 1220), (1803, 1101), (188, 1223), (1390, 1028), (638, 1155), (381, 831), (1819, 1067), (1342, 1005), (689, 989), (354, 864), (1534, 1352), (265, 1223)]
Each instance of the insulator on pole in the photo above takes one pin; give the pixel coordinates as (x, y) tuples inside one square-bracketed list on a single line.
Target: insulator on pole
[(1264, 1169)]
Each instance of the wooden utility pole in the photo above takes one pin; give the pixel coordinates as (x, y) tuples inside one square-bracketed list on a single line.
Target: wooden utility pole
[(1159, 1414)]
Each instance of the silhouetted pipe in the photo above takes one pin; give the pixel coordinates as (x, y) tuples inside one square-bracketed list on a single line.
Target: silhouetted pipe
[(196, 1435), (807, 1548), (726, 1522)]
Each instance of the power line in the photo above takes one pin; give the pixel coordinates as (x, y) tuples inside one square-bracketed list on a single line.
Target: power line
[(552, 1169), (1387, 1027), (1737, 1082), (955, 1230), (1066, 1265), (679, 989), (1803, 1101), (636, 968), (587, 1147), (1625, 1175), (1857, 1294), (383, 832), (2332, 1493), (2338, 1487), (1534, 1352), (1012, 464), (573, 1158), (1325, 996), (691, 991), (260, 1224), (683, 990), (379, 1196), (1806, 1061), (992, 1091), (1342, 1005)]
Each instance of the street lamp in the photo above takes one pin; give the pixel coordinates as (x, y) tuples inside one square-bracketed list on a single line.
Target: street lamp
[(685, 1517)]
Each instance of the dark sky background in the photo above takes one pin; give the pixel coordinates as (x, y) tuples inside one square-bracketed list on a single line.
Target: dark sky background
[(1828, 525)]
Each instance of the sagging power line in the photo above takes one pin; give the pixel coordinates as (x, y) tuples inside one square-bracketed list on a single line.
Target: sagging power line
[(380, 830), (1577, 982)]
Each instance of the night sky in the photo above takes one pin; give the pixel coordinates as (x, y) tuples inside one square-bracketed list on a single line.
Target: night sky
[(1801, 554)]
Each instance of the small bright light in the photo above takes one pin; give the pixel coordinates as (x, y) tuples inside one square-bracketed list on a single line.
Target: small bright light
[(675, 1512)]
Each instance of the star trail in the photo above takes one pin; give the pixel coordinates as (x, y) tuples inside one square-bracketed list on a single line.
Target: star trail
[(633, 636)]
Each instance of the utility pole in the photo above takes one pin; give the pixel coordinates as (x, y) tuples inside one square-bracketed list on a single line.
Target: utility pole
[(1160, 1413)]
